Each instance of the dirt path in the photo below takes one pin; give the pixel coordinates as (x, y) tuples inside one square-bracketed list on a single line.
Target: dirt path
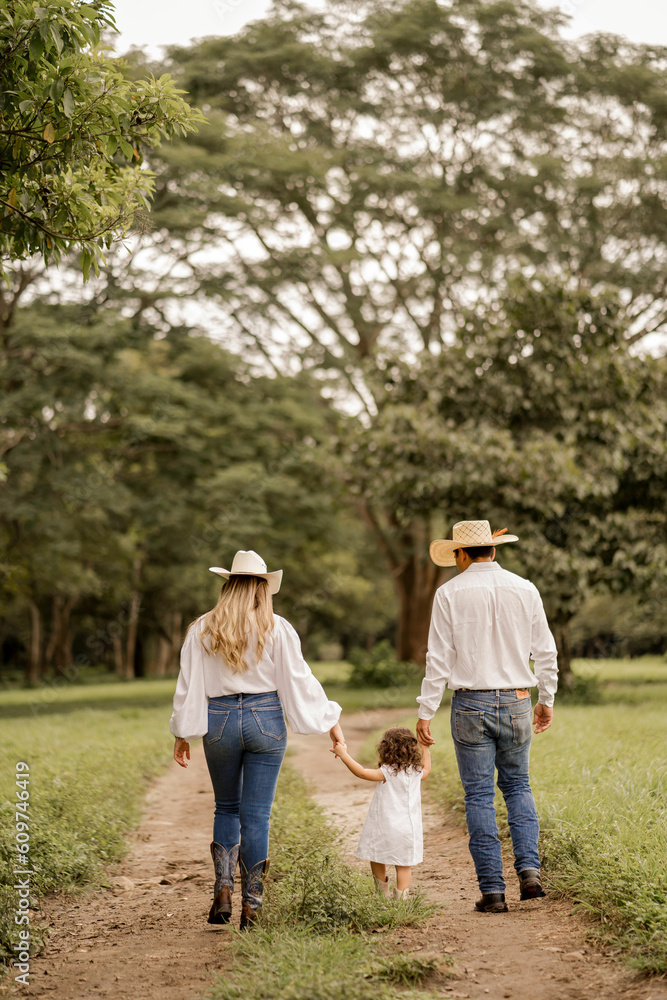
[(146, 938)]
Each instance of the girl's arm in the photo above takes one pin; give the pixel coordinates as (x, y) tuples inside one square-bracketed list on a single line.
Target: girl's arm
[(426, 762), (369, 773)]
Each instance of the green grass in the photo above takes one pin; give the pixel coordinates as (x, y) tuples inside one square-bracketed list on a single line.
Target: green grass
[(332, 671), (600, 777), (600, 781), (640, 670), (91, 751), (624, 680), (278, 963)]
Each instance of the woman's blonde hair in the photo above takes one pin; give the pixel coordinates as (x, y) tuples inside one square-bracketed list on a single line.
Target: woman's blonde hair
[(244, 607)]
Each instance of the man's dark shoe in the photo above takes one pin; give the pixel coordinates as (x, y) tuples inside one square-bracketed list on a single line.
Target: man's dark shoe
[(530, 884), (492, 902)]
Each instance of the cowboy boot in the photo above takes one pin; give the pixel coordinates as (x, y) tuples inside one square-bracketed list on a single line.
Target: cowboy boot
[(224, 863), (252, 883), (400, 893)]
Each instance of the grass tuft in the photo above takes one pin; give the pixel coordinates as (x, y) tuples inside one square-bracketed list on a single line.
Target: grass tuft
[(279, 963), (409, 969), (311, 885), (601, 790)]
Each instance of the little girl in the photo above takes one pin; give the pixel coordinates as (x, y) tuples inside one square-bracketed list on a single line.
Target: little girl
[(392, 833)]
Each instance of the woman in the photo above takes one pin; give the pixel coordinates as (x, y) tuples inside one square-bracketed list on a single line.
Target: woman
[(241, 666)]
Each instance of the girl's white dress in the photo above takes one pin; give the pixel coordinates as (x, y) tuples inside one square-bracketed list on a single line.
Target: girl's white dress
[(392, 833)]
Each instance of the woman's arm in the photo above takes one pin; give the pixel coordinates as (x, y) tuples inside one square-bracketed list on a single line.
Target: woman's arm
[(426, 762), (369, 773), (190, 714), (306, 705), (181, 751)]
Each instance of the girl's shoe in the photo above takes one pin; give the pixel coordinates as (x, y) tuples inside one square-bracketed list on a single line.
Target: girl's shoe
[(400, 893), (382, 888)]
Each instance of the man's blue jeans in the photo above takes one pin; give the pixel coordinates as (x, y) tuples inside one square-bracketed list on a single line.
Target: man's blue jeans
[(493, 729), (244, 749)]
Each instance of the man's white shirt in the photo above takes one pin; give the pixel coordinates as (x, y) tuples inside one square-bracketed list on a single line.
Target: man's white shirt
[(486, 625)]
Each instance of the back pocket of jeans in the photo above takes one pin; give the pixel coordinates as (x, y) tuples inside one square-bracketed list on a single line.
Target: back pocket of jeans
[(469, 726), (271, 722), (216, 725), (521, 728)]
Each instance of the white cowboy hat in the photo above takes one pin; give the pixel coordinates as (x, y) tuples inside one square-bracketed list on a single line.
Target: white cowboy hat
[(248, 563), (466, 534)]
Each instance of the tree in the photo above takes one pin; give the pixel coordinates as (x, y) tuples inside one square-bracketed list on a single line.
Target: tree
[(370, 172), (540, 418), (73, 132), (134, 462)]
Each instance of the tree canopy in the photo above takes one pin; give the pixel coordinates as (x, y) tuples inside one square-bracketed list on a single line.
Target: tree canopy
[(370, 171), (133, 463), (540, 419), (373, 182), (451, 218), (73, 131)]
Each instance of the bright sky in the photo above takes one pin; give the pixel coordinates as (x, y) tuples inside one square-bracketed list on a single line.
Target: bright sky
[(145, 22)]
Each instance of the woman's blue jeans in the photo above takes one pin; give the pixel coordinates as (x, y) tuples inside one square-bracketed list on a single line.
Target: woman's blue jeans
[(492, 730), (244, 749)]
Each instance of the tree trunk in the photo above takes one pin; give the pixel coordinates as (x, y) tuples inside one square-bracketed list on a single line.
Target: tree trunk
[(176, 641), (416, 584), (34, 667), (133, 624), (415, 576), (118, 660), (561, 635), (59, 647), (165, 661)]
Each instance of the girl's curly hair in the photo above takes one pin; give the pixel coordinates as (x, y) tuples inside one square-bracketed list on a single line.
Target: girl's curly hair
[(399, 749)]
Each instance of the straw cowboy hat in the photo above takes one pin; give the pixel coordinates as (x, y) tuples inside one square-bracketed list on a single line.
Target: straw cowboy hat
[(465, 535), (248, 563)]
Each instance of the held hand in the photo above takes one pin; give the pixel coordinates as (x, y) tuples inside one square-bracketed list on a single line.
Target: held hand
[(424, 733), (339, 748), (182, 752), (336, 734), (542, 717)]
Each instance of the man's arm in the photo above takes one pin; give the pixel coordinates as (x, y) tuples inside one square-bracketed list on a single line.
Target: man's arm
[(545, 656), (439, 661)]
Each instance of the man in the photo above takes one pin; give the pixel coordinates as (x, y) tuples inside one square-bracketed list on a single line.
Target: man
[(486, 624)]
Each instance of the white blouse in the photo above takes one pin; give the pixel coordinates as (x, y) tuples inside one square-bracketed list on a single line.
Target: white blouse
[(281, 668)]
